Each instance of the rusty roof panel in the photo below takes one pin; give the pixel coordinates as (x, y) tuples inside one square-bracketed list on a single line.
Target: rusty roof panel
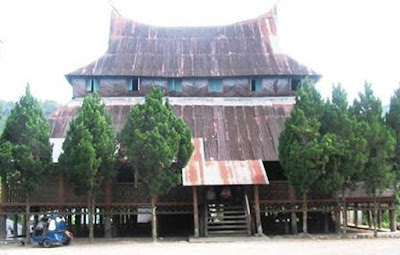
[(240, 49), (200, 171), (229, 132)]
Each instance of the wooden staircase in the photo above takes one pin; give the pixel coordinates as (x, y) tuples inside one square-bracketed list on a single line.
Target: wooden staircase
[(222, 219)]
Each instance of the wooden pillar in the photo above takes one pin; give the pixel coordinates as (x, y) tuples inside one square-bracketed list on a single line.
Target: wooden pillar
[(379, 219), (15, 226), (195, 212), (293, 216), (337, 222), (107, 211), (205, 208), (4, 199), (326, 222), (355, 215), (257, 210), (370, 219), (392, 218)]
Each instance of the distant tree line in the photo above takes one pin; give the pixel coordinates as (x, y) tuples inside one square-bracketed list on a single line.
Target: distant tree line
[(48, 107), (335, 146)]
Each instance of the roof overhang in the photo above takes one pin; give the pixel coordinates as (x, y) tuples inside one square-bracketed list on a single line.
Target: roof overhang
[(201, 172)]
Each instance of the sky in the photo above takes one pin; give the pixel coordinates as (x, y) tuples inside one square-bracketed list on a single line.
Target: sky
[(345, 41)]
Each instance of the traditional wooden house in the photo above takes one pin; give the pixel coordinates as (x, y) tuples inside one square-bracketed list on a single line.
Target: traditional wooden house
[(234, 87)]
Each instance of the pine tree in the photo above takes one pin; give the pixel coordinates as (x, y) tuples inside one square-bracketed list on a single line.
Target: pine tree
[(348, 152), (89, 149), (302, 149), (158, 146), (377, 173), (393, 120), (28, 133)]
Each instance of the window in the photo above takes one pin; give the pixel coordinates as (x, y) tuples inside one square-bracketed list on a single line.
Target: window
[(295, 84), (175, 85), (92, 85), (215, 86), (255, 84), (134, 84)]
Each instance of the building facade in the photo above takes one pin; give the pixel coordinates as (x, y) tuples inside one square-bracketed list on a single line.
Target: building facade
[(234, 87)]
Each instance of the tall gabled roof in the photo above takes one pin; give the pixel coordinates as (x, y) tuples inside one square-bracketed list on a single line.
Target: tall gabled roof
[(245, 48)]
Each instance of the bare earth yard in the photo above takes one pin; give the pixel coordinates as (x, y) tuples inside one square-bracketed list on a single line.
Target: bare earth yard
[(282, 246)]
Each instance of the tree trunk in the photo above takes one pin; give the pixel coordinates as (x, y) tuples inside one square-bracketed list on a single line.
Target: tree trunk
[(305, 208), (154, 219), (375, 216), (91, 218), (27, 216), (344, 213)]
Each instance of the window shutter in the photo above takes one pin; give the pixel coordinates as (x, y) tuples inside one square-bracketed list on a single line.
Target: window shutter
[(96, 85), (89, 85), (215, 86), (258, 84)]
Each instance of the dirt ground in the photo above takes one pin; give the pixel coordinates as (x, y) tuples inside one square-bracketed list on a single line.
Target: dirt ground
[(282, 246)]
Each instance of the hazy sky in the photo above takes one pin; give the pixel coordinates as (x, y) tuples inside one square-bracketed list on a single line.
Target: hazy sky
[(345, 41)]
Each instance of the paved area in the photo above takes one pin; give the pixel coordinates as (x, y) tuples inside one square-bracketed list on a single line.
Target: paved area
[(263, 246)]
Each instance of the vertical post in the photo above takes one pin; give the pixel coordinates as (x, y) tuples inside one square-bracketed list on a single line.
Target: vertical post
[(248, 213), (337, 221), (4, 199), (195, 212), (205, 215), (15, 226), (356, 214), (326, 222), (293, 216), (107, 214), (370, 220), (392, 217), (257, 210), (154, 218)]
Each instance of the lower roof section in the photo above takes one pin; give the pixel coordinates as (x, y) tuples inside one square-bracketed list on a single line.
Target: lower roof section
[(232, 129), (201, 172)]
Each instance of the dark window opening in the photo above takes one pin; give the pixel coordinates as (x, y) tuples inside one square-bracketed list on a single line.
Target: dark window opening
[(255, 84), (175, 85), (274, 171), (92, 85), (215, 86), (295, 84), (134, 84)]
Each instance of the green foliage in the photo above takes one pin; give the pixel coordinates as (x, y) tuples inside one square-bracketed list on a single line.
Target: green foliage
[(89, 147), (27, 134), (393, 120), (378, 169), (301, 146), (158, 144), (348, 153)]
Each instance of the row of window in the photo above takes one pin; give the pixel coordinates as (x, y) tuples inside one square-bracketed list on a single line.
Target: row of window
[(215, 85)]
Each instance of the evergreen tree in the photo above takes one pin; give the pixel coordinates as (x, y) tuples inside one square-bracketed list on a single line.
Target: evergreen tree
[(28, 132), (348, 152), (377, 173), (302, 149), (158, 145), (89, 149), (393, 120)]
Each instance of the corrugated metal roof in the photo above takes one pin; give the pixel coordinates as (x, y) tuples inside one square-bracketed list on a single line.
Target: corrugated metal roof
[(229, 132), (240, 49), (200, 172), (57, 144)]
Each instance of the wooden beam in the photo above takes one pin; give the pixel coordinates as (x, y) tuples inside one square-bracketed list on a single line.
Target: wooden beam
[(4, 199), (257, 210), (195, 212), (392, 218)]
